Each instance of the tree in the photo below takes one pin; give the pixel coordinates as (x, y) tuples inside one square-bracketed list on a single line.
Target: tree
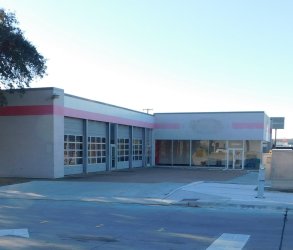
[(20, 62)]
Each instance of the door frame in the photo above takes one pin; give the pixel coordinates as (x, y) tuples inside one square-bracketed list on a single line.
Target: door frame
[(113, 157), (234, 158)]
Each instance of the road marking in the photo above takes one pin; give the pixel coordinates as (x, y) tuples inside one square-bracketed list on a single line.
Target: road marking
[(15, 232), (229, 242)]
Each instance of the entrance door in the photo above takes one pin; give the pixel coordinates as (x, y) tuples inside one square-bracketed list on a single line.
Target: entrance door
[(235, 158), (113, 157), (148, 156)]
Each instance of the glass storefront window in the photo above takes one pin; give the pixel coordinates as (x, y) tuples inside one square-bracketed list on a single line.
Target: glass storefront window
[(235, 144), (252, 154), (164, 152), (217, 153), (181, 152), (199, 151), (210, 153)]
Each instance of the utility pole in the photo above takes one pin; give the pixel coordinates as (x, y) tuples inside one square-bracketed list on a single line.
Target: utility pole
[(147, 110)]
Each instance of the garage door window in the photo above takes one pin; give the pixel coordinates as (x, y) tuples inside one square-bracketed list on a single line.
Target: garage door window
[(73, 150), (123, 149), (137, 149), (96, 150)]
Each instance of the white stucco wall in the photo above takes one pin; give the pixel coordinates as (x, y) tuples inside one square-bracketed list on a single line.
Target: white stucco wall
[(211, 126), (88, 109), (31, 135)]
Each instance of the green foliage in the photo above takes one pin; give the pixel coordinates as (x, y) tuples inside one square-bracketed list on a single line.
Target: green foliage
[(20, 62)]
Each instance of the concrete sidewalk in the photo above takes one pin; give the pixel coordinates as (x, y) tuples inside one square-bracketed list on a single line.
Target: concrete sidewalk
[(203, 194), (239, 190)]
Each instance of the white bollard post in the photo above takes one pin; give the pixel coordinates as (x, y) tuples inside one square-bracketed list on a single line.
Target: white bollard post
[(261, 182)]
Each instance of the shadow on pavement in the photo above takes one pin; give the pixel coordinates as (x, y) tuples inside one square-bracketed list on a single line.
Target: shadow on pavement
[(160, 174), (144, 175)]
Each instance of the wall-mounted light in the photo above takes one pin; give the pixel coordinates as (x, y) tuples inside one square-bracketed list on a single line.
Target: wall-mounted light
[(55, 96)]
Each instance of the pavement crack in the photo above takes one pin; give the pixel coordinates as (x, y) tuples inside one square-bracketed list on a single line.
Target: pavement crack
[(283, 228), (87, 238)]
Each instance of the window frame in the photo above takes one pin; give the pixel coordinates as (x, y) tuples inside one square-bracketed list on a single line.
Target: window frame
[(137, 149), (73, 150), (96, 150), (123, 149)]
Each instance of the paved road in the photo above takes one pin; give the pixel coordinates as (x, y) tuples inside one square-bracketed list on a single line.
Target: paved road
[(90, 225), (72, 213)]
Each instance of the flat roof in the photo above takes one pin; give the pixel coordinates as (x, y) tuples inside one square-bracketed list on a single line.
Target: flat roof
[(212, 112), (104, 103), (116, 106)]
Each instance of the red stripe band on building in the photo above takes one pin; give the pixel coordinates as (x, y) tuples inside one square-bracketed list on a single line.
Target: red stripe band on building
[(247, 125), (59, 110), (27, 110)]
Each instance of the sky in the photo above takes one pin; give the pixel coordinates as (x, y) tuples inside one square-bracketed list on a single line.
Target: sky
[(167, 55)]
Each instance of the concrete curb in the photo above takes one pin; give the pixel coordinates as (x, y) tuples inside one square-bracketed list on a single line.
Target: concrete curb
[(195, 194), (231, 204), (165, 202), (120, 200)]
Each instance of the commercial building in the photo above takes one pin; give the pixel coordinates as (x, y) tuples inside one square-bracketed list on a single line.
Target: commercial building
[(233, 140), (46, 133)]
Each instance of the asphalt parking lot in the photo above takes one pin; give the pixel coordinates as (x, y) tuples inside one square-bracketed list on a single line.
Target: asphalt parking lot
[(145, 175), (10, 181), (160, 174)]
